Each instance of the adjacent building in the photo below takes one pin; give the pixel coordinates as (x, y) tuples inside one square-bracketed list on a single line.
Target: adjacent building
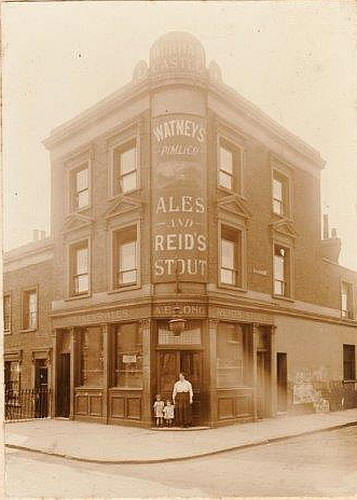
[(175, 201)]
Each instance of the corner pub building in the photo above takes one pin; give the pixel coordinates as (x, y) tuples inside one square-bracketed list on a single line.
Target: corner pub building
[(175, 201)]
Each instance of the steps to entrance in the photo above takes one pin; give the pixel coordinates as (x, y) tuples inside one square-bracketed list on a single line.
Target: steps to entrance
[(173, 428)]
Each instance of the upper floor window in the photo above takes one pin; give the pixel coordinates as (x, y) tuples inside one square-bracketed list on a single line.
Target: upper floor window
[(125, 257), (347, 300), (281, 271), (349, 362), (7, 312), (229, 166), (79, 188), (79, 268), (280, 194), (125, 175), (231, 251), (30, 309)]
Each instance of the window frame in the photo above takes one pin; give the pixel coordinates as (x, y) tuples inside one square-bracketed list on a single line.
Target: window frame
[(289, 248), (237, 149), (351, 311), (9, 330), (24, 292), (84, 161), (241, 229), (72, 244), (122, 139), (281, 170), (113, 288), (353, 362), (115, 371)]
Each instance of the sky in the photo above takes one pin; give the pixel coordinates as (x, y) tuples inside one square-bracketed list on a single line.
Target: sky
[(294, 60)]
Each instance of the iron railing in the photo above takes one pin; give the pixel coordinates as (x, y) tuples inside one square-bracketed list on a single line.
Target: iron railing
[(26, 403)]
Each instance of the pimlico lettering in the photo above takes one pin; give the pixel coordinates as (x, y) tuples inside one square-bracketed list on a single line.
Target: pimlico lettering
[(179, 128)]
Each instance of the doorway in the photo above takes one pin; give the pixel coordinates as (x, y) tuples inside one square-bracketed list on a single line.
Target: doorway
[(63, 385), (170, 364), (282, 381), (41, 388)]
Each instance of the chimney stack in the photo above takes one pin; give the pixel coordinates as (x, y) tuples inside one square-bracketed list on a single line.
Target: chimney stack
[(36, 235), (42, 235)]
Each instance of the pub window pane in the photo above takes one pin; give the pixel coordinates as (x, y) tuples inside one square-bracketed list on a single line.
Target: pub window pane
[(92, 357), (349, 362), (346, 300), (230, 256), (225, 180), (128, 356), (191, 335), (7, 313), (125, 257), (230, 355), (30, 309), (125, 168), (12, 375), (281, 271), (79, 256)]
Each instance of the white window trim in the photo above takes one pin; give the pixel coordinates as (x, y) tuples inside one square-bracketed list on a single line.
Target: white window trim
[(220, 136), (353, 308), (235, 227), (111, 281), (70, 167), (290, 297), (124, 137), (71, 244)]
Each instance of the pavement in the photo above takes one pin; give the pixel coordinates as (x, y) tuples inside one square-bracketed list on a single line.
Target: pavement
[(90, 442)]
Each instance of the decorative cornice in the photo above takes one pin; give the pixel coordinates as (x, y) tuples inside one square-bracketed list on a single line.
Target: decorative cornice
[(77, 221), (234, 204), (122, 205), (283, 227)]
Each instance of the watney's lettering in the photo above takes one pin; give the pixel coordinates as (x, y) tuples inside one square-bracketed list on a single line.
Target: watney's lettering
[(176, 128)]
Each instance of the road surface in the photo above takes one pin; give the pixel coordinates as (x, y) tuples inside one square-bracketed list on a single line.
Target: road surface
[(323, 464)]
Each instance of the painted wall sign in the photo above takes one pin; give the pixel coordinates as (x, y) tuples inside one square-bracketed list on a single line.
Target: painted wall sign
[(179, 208), (187, 310), (261, 272), (129, 358), (237, 314), (101, 317)]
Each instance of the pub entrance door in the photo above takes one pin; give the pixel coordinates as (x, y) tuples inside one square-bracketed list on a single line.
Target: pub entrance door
[(63, 381), (170, 364)]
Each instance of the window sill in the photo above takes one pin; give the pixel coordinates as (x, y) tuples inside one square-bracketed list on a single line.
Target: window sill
[(77, 297), (125, 388), (7, 332), (132, 191), (124, 288), (70, 213), (229, 191), (283, 298), (349, 381), (28, 330), (232, 287), (282, 216)]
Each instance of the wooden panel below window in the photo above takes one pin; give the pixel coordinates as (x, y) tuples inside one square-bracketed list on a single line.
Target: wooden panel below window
[(134, 408), (95, 406), (81, 405), (124, 405), (225, 408)]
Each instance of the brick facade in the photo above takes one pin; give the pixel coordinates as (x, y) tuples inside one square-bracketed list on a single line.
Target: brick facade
[(194, 97)]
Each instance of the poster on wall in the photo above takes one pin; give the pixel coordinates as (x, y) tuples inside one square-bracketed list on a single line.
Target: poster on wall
[(179, 190)]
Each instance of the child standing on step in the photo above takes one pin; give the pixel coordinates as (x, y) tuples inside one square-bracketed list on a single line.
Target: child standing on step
[(169, 413), (159, 410)]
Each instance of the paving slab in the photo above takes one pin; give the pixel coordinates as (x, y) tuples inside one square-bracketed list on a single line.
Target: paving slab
[(118, 444)]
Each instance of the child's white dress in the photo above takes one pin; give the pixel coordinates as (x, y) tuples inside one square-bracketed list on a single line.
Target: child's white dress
[(159, 409), (169, 412)]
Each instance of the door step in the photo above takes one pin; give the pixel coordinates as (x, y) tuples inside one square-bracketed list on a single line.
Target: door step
[(175, 428)]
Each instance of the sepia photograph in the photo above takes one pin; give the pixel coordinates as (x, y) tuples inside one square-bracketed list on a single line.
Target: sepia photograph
[(179, 236)]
